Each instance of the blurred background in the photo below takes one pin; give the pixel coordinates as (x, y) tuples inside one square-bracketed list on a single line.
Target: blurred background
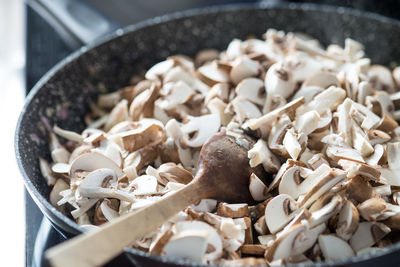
[(31, 42)]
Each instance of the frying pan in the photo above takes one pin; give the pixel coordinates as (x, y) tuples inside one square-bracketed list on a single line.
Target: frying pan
[(61, 97)]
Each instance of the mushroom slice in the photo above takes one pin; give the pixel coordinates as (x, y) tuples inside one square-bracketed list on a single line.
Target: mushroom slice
[(110, 150), (159, 70), (359, 189), (233, 210), (347, 222), (109, 213), (277, 135), (330, 98), (171, 172), (206, 55), (325, 213), (212, 74), (146, 132), (279, 212), (253, 249), (219, 90), (60, 168), (362, 115), (281, 247), (188, 245), (377, 137), (334, 248), (381, 78), (144, 185), (251, 89), (322, 79), (205, 205), (376, 209), (46, 171), (214, 241), (258, 190), (308, 92), (285, 167), (92, 161), (291, 143), (243, 68), (244, 109), (217, 106), (180, 93), (337, 153), (390, 175), (292, 179), (306, 239), (307, 122), (387, 124), (378, 157), (69, 135), (325, 183), (204, 127), (270, 117), (355, 168), (367, 234), (55, 196), (260, 154), (93, 186)]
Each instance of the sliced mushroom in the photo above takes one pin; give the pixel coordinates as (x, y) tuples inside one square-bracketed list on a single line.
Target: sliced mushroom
[(347, 222), (367, 234), (93, 186), (46, 171), (279, 212), (144, 185), (159, 70), (232, 210), (252, 89), (359, 190), (205, 205), (204, 127), (258, 190), (355, 168), (381, 78), (337, 153), (243, 68), (212, 74), (376, 209), (55, 196), (244, 109), (292, 143), (93, 161), (326, 212), (330, 98), (334, 248), (260, 154)]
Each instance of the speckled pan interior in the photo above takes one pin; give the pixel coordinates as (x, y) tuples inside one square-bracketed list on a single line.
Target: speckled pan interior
[(61, 97)]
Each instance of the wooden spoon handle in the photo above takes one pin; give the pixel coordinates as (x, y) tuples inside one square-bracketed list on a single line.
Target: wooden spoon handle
[(98, 247)]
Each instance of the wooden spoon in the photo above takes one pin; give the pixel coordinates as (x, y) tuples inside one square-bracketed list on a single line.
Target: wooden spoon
[(223, 174)]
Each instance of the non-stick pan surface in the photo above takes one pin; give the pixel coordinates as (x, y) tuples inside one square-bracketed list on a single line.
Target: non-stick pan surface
[(61, 97)]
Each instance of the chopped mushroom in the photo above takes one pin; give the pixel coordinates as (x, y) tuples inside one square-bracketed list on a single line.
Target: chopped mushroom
[(325, 181)]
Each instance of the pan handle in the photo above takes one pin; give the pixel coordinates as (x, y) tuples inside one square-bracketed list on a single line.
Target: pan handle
[(76, 21)]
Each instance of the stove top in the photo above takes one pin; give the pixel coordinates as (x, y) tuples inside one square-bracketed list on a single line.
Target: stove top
[(45, 48)]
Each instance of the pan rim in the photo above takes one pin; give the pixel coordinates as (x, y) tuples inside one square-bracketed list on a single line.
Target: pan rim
[(71, 226)]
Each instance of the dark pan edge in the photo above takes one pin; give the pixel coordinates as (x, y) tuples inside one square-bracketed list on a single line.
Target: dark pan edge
[(71, 226)]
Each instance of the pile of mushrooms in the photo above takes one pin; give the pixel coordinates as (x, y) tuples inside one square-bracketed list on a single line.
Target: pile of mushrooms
[(325, 126)]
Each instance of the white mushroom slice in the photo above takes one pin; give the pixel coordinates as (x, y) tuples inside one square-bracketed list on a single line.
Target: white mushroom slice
[(381, 78), (213, 240), (93, 185), (159, 70), (244, 109), (344, 121), (212, 74), (217, 106), (258, 190), (243, 68), (85, 205), (383, 190), (356, 168), (277, 135), (144, 185), (206, 55), (282, 246), (376, 209), (325, 213), (334, 248), (46, 171), (219, 90), (377, 137), (168, 172), (251, 89), (393, 155), (348, 220), (308, 92), (361, 142), (260, 154), (376, 158), (179, 94), (55, 196), (306, 239), (366, 118), (286, 166), (336, 153), (177, 73), (330, 98), (233, 210), (291, 144), (146, 132), (204, 127), (322, 79), (60, 168), (205, 205), (367, 234), (110, 150), (69, 135), (109, 213), (307, 122), (380, 103), (188, 245), (298, 180), (268, 118), (118, 114), (278, 81), (279, 211), (93, 161)]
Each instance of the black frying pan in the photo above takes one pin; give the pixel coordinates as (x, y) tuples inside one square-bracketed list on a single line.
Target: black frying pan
[(62, 95)]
